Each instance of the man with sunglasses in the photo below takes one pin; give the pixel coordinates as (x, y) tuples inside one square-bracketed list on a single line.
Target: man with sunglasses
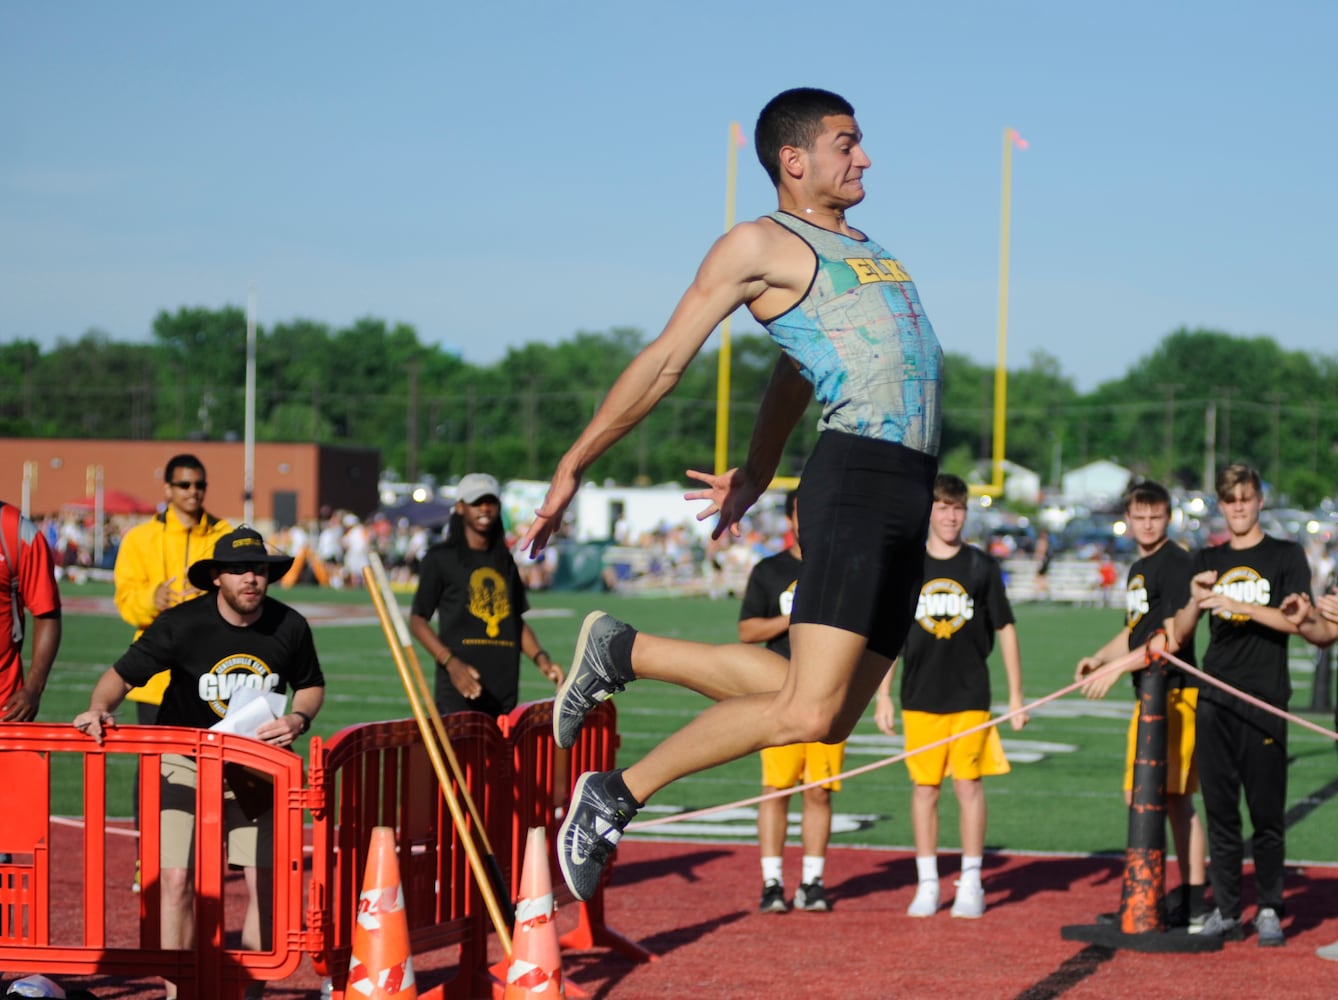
[(151, 573), (234, 637)]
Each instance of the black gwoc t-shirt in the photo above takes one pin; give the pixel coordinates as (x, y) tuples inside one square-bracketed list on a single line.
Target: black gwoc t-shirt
[(209, 658)]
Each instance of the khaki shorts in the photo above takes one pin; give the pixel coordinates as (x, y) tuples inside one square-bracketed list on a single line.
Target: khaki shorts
[(782, 767), (179, 775), (971, 757), (1182, 773)]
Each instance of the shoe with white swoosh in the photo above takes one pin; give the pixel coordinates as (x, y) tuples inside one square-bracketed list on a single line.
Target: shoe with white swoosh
[(590, 832), (596, 675)]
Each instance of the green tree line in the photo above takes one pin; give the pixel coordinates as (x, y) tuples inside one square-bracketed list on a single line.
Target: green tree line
[(1201, 399)]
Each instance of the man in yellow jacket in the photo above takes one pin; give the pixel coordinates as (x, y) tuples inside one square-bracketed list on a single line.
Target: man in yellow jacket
[(151, 568)]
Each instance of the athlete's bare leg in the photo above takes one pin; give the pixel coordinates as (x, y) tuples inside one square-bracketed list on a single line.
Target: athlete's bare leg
[(828, 684), (716, 671)]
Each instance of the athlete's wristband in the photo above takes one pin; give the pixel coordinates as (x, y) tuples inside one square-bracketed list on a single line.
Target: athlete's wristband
[(306, 720)]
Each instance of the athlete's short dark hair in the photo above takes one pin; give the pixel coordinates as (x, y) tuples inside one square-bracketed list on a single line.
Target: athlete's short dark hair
[(181, 462), (793, 118), (950, 489), (791, 498), (1149, 494), (1237, 474)]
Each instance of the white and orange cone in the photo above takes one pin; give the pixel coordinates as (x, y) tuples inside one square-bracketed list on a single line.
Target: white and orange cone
[(535, 972), (382, 966)]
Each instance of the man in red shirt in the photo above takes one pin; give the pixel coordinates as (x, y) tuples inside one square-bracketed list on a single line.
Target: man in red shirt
[(27, 580)]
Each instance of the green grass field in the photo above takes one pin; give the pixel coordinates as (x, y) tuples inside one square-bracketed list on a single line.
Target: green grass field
[(1062, 795)]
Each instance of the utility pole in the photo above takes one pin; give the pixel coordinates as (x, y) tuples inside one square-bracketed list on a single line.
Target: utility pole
[(411, 425), (1209, 446)]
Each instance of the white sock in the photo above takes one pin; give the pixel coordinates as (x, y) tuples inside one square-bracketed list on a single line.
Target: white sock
[(812, 869), (771, 870), (971, 870), (926, 869)]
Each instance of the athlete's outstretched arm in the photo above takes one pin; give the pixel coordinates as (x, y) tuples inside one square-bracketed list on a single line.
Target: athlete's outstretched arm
[(732, 273)]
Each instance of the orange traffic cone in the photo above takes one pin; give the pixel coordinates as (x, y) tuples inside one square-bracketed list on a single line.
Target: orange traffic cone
[(536, 961), (382, 967)]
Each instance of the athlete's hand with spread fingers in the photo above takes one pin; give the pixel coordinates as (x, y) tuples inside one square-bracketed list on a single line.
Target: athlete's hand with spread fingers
[(730, 493), (548, 517)]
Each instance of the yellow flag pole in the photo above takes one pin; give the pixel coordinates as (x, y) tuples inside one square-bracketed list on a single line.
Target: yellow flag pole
[(995, 487), (723, 366)]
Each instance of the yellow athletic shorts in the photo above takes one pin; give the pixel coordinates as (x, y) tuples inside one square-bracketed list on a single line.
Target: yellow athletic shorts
[(782, 767), (966, 759), (179, 776), (1182, 773)]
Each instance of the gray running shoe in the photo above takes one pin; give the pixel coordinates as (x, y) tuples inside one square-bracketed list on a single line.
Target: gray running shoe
[(1328, 951), (773, 898), (811, 896), (1226, 928), (1268, 926), (589, 833), (594, 676)]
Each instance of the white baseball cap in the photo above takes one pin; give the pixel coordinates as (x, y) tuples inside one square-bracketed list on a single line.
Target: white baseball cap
[(477, 485)]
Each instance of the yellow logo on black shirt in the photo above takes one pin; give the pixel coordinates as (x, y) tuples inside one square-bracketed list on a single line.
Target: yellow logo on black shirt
[(1136, 602), (232, 673), (944, 607), (488, 598), (1241, 583)]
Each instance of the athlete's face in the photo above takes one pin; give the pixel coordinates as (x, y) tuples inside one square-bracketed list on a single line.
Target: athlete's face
[(836, 161), (946, 518), (1241, 509), (1148, 522), (242, 586)]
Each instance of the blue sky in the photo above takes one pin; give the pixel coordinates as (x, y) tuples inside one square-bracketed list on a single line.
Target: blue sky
[(499, 173)]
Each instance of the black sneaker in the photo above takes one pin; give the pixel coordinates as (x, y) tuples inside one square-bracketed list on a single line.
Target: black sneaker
[(1177, 907), (589, 833), (811, 897), (594, 676), (773, 898)]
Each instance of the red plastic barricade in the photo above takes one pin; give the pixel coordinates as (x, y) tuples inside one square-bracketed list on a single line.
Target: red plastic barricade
[(377, 774), (32, 941)]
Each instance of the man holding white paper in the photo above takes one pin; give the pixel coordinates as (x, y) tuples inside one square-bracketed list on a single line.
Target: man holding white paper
[(235, 640)]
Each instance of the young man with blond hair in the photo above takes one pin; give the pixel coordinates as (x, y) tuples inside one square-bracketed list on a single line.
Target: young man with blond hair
[(1241, 749), (945, 690)]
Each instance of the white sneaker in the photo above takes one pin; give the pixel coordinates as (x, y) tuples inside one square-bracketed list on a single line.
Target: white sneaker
[(925, 903), (970, 902)]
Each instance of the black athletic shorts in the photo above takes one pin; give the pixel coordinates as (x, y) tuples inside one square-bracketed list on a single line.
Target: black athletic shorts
[(863, 515)]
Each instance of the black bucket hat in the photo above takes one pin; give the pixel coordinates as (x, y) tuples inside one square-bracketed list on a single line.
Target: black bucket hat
[(243, 545)]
